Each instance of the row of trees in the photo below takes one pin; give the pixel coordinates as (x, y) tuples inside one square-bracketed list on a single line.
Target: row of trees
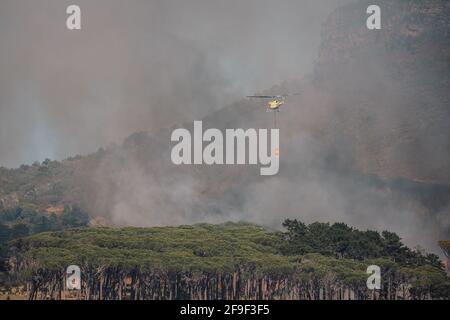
[(113, 283), (341, 241), (17, 223), (231, 261)]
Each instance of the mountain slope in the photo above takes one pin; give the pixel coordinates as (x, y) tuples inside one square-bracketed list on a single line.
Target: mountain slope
[(366, 143)]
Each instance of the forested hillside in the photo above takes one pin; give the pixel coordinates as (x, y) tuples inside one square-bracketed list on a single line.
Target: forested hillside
[(228, 261)]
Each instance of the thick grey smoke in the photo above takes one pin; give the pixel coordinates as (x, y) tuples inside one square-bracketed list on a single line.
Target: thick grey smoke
[(139, 65), (149, 65)]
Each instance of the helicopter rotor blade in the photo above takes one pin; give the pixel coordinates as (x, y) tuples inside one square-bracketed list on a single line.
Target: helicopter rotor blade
[(281, 96), (263, 97)]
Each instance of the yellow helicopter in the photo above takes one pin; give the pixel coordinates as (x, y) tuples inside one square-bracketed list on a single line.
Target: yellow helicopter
[(275, 102)]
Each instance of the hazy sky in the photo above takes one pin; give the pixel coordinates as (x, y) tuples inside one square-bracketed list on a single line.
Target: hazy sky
[(139, 65)]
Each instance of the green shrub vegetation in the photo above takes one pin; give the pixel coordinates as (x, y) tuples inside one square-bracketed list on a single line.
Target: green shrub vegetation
[(238, 260)]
